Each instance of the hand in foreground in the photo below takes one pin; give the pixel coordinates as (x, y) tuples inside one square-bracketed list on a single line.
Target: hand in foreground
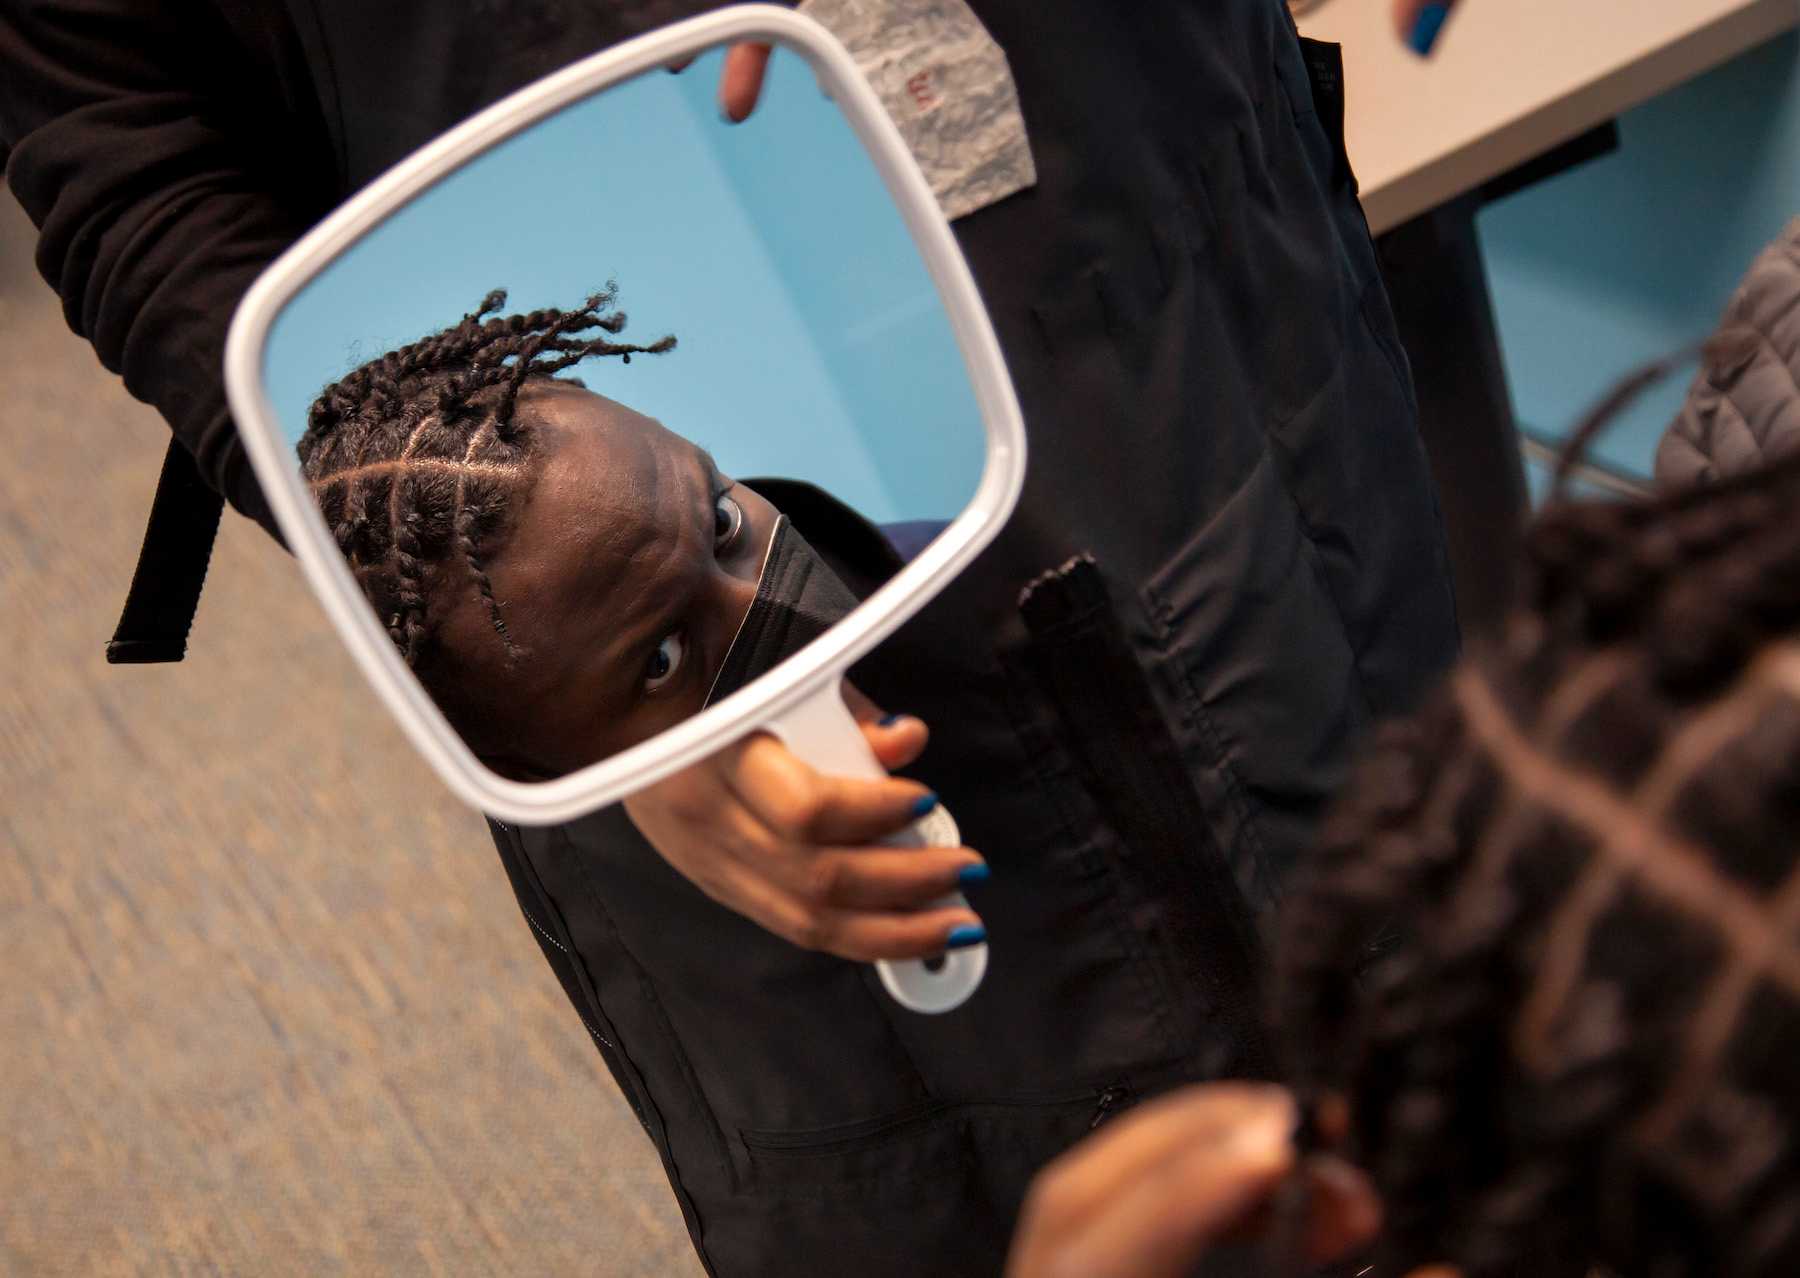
[(762, 833), (1148, 1195)]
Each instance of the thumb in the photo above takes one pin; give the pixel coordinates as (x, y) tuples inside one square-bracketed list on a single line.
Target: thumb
[(896, 739)]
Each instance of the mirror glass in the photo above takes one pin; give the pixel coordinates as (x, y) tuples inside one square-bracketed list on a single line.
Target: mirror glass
[(658, 508)]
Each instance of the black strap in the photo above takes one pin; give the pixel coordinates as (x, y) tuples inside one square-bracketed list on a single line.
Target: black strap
[(171, 568)]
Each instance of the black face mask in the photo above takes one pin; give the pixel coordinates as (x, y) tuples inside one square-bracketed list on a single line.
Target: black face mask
[(797, 598)]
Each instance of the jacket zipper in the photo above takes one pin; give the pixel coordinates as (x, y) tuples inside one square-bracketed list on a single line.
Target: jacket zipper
[(618, 1064), (548, 936)]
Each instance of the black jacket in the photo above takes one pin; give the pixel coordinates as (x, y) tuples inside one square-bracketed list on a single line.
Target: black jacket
[(1224, 463)]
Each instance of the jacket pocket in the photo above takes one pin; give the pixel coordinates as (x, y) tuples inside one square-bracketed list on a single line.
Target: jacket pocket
[(1254, 657), (908, 1145), (1183, 898), (931, 1188)]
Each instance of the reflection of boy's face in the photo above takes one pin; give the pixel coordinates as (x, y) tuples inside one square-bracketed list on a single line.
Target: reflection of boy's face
[(624, 579)]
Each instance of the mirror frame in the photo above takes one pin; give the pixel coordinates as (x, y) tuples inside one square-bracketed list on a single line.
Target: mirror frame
[(790, 684)]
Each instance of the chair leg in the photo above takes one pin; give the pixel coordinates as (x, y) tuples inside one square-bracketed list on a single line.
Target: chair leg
[(1437, 283)]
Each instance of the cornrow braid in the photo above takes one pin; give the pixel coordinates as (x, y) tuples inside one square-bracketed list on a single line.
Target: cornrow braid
[(1549, 942), (415, 456)]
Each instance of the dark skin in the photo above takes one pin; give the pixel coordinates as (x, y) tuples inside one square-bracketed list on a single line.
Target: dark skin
[(636, 523), (1155, 1190), (662, 556)]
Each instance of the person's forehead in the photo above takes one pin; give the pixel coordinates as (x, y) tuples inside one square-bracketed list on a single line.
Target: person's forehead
[(612, 500), (602, 464)]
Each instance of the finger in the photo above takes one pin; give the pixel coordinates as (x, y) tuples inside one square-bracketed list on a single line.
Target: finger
[(1076, 1190), (1204, 1116), (879, 879), (1160, 1223), (865, 936), (1344, 1211), (740, 84), (855, 812), (1418, 22), (896, 739), (797, 804), (859, 935)]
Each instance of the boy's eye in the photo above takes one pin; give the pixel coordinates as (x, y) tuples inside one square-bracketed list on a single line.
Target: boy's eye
[(665, 661), (728, 521)]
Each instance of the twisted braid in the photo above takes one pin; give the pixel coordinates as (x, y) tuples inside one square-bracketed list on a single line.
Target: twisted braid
[(415, 456), (1549, 943), (468, 519)]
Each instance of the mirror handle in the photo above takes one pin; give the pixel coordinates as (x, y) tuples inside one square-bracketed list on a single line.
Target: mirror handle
[(824, 734)]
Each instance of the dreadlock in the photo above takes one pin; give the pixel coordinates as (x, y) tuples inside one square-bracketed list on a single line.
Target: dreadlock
[(1549, 946), (416, 457)]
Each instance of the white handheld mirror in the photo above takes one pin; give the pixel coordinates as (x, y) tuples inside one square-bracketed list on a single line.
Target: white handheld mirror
[(563, 592)]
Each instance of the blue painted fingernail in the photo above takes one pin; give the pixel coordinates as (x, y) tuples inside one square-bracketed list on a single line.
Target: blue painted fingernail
[(888, 721), (963, 937), (977, 873), (924, 804), (1426, 27)]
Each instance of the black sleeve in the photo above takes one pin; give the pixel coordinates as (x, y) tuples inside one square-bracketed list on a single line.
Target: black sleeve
[(167, 153)]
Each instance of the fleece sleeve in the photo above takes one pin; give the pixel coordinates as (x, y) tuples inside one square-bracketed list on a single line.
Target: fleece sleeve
[(151, 146)]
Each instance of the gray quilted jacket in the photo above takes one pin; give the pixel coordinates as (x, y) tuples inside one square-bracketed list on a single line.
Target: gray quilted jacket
[(1744, 405)]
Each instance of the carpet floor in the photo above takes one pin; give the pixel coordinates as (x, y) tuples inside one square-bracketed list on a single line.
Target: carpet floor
[(267, 1004)]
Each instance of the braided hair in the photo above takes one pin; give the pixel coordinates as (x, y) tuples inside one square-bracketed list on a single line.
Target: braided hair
[(418, 458), (1549, 946)]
